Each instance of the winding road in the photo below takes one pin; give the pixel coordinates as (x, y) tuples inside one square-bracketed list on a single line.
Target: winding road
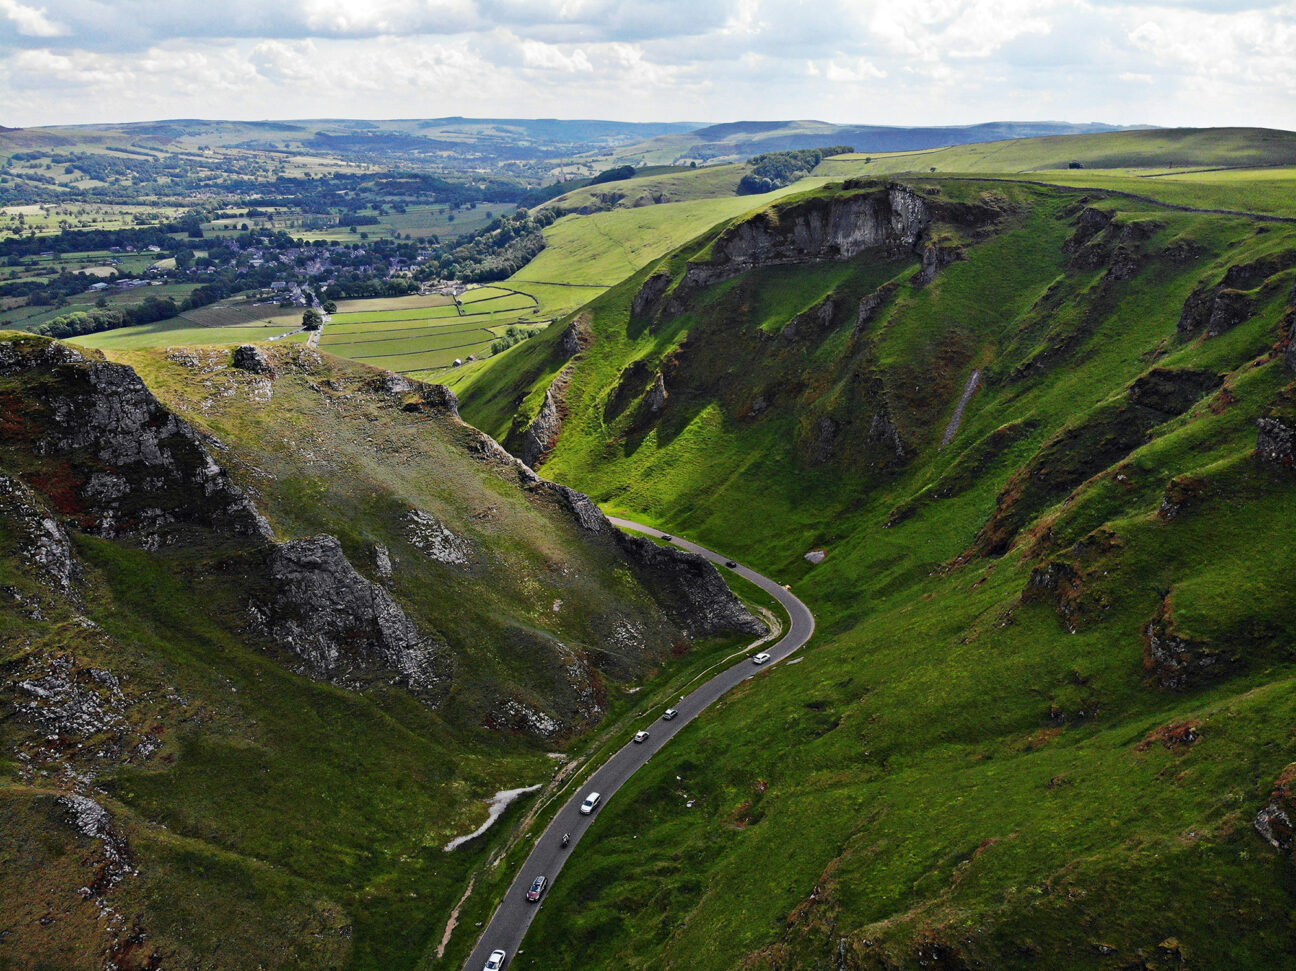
[(508, 926)]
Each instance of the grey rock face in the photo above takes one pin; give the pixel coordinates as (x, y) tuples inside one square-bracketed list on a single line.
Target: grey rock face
[(1220, 308), (541, 435), (689, 588), (249, 357), (650, 294), (892, 219), (1177, 662), (434, 538), (125, 464), (655, 400), (42, 542), (935, 258), (586, 513), (343, 627), (574, 339), (1289, 332), (439, 397), (382, 562), (1275, 441), (883, 431), (870, 305), (1274, 821), (825, 440), (1089, 224)]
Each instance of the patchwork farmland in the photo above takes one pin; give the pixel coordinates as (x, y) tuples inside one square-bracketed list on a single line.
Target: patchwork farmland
[(416, 335)]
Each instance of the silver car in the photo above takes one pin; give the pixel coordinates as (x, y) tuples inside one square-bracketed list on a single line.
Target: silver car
[(495, 961)]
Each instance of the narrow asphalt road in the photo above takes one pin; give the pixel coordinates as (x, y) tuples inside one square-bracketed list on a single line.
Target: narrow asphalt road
[(509, 925)]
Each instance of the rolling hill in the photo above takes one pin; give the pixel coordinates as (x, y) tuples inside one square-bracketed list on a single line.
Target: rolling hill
[(274, 626), (1040, 440)]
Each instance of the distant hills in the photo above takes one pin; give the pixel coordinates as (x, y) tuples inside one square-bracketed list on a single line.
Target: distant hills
[(522, 139)]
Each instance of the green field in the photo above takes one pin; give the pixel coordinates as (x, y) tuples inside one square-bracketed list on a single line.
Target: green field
[(417, 222), (416, 312), (178, 331), (395, 303), (239, 315), (676, 185), (1149, 149)]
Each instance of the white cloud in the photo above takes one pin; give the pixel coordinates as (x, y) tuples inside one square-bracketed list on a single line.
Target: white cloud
[(924, 62), (549, 57), (30, 21), (853, 73)]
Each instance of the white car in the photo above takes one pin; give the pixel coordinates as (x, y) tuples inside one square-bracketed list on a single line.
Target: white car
[(668, 714), (760, 658), (590, 802), (641, 736), (495, 961)]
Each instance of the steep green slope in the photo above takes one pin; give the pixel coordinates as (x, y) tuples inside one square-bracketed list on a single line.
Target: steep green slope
[(1047, 719), (259, 669)]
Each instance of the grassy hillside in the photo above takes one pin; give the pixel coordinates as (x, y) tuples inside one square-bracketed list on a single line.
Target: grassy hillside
[(1050, 696), (738, 140), (179, 787), (1153, 148)]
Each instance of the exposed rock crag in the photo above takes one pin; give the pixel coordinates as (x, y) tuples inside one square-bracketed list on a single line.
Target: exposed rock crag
[(114, 459), (343, 627)]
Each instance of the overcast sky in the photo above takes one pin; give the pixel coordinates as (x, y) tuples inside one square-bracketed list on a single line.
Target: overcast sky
[(916, 62)]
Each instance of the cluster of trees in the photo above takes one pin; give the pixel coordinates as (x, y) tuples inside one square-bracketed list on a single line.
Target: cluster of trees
[(360, 288), (495, 252), (773, 170), (151, 309), (89, 240), (614, 175), (513, 335)]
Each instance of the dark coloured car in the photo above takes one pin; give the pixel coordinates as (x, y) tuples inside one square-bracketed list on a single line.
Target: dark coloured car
[(731, 564), (537, 889), (666, 539)]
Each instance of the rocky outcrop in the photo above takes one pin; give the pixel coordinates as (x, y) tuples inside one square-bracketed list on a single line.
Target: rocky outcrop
[(655, 399), (815, 321), (542, 434), (1274, 822), (825, 440), (634, 378), (435, 397), (111, 458), (689, 589), (883, 431), (1289, 332), (432, 537), (870, 305), (38, 539), (647, 300), (543, 431), (1088, 224), (817, 230), (582, 508), (1220, 308), (1275, 441), (249, 357), (935, 257), (344, 628), (576, 338), (1174, 660)]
